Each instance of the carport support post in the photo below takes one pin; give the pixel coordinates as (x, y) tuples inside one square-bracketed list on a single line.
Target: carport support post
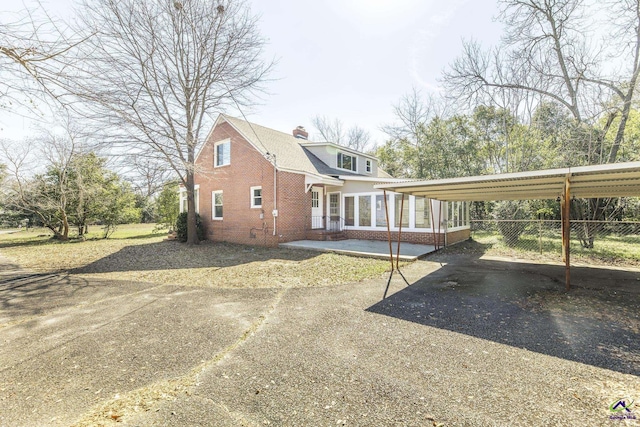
[(566, 232), (386, 211)]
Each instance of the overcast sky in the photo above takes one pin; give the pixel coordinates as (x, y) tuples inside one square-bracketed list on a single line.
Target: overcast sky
[(349, 59)]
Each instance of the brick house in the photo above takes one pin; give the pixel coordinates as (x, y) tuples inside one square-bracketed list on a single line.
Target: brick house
[(316, 190)]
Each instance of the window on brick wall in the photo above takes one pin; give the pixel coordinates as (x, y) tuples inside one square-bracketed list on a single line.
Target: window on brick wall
[(222, 153), (216, 204), (256, 197), (183, 198)]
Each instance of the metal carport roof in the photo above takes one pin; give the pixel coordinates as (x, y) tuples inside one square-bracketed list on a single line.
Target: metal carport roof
[(609, 180)]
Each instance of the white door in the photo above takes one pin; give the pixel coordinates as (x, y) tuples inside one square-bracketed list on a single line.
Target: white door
[(316, 208)]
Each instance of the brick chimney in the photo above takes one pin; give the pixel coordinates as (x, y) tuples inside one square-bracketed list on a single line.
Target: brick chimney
[(300, 133)]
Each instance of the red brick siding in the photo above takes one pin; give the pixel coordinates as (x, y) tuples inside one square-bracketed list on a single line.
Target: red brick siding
[(426, 238), (248, 168)]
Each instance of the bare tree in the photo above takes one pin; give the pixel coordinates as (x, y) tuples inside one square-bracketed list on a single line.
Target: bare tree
[(412, 112), (37, 57), (547, 53), (158, 69), (149, 175), (355, 137)]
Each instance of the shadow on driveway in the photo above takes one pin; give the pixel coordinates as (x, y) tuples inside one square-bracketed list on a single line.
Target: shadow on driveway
[(525, 305), (23, 295), (177, 256)]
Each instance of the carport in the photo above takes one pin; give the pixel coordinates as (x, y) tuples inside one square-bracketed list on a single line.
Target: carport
[(596, 181)]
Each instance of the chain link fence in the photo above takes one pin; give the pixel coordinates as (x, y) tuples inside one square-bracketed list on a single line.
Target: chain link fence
[(594, 242)]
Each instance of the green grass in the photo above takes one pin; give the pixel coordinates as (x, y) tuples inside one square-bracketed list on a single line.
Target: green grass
[(612, 249), (40, 236)]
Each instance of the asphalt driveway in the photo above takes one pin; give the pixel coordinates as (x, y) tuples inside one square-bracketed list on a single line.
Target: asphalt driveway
[(471, 342)]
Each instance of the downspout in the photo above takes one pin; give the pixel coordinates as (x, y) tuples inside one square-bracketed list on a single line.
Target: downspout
[(275, 194)]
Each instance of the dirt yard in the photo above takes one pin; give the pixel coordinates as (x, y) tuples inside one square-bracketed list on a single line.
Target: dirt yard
[(144, 257)]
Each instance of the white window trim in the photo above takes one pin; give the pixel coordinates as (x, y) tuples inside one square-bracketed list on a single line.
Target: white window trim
[(368, 166), (183, 197), (254, 206), (411, 200), (213, 205), (215, 153), (459, 227), (353, 156), (340, 204)]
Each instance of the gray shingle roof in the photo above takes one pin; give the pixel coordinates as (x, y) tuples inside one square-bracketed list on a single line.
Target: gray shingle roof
[(289, 154), (325, 169)]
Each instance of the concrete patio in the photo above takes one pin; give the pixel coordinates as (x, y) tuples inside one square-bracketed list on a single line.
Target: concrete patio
[(367, 248)]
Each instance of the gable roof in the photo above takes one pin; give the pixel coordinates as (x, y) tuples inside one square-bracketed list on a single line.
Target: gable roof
[(291, 155)]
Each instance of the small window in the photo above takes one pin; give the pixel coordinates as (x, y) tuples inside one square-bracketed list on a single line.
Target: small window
[(315, 199), (216, 202), (256, 197), (183, 198), (222, 153), (348, 162), (368, 166)]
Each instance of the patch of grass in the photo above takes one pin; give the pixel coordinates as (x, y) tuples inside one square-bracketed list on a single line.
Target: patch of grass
[(39, 236), (33, 236), (133, 255), (609, 250)]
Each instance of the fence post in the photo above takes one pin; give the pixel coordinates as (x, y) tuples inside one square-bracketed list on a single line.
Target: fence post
[(540, 232)]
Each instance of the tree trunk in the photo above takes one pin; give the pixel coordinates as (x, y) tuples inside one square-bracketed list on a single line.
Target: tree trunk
[(192, 231), (65, 226)]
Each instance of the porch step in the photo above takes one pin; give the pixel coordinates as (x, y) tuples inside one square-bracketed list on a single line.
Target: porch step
[(336, 235), (324, 235)]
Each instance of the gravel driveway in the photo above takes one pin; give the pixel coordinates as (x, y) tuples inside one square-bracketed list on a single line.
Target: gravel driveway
[(472, 342)]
